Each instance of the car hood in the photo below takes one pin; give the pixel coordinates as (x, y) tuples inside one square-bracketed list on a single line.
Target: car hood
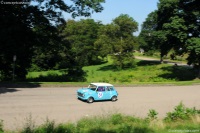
[(83, 90)]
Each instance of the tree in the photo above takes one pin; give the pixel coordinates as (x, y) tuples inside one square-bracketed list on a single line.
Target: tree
[(178, 26), (148, 34), (126, 24), (123, 56), (25, 27), (181, 27), (106, 40), (81, 35), (117, 39), (191, 11)]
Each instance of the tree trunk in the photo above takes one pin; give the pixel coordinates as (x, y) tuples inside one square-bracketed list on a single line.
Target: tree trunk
[(199, 70), (199, 73), (161, 59)]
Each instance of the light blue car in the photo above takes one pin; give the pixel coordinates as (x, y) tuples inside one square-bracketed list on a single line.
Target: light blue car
[(96, 92)]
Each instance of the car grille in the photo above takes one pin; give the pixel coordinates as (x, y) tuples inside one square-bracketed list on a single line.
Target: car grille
[(80, 94)]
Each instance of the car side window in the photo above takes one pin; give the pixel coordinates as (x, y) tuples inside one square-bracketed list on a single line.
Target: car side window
[(107, 88), (100, 88), (111, 88)]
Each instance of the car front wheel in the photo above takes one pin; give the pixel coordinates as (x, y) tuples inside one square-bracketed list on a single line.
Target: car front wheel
[(90, 100), (114, 98)]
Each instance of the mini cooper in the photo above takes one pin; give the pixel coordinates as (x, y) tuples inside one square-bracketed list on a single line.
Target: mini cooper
[(96, 92)]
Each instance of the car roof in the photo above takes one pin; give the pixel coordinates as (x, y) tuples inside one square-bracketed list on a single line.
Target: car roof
[(102, 84)]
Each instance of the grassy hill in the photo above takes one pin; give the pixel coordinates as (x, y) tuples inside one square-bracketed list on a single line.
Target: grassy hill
[(145, 71)]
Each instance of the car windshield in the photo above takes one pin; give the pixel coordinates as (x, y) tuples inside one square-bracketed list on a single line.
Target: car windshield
[(92, 87)]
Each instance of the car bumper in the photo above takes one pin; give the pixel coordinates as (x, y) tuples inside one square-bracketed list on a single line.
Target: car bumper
[(82, 98)]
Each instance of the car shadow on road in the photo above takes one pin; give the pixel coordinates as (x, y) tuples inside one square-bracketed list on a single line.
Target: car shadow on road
[(99, 101)]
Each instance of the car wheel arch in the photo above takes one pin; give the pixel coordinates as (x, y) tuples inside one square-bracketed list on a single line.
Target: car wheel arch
[(114, 98), (90, 99)]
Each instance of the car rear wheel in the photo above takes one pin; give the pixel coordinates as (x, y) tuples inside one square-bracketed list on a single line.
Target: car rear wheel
[(114, 98), (90, 100)]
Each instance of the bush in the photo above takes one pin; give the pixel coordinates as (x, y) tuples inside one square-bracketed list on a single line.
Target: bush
[(65, 128), (1, 126), (181, 113), (152, 114), (119, 123), (48, 127), (29, 125), (116, 119)]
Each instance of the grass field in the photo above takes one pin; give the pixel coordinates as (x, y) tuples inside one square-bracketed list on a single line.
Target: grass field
[(145, 72)]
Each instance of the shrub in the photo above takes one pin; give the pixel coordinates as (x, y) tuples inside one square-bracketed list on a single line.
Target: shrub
[(47, 127), (119, 123), (181, 113), (116, 119), (152, 114), (29, 126), (93, 124), (1, 126), (65, 128)]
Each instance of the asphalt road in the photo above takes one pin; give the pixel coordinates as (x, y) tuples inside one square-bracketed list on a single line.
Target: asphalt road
[(18, 105)]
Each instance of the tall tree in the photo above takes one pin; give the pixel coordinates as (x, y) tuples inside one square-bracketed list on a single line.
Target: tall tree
[(81, 35), (148, 33), (191, 11), (117, 39), (178, 26), (24, 27)]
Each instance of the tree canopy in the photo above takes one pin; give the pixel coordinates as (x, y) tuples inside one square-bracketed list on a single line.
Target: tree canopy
[(175, 25), (27, 27), (117, 39), (81, 35)]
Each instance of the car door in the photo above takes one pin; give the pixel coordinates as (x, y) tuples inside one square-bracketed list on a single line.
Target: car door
[(100, 93), (108, 92)]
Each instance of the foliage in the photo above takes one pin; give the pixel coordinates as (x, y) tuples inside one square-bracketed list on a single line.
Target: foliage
[(174, 25), (120, 123), (117, 40), (146, 71), (152, 115), (47, 127), (1, 126), (127, 25), (81, 36), (27, 30), (107, 39), (16, 39), (63, 75), (29, 126), (123, 61), (193, 46), (146, 37), (181, 113)]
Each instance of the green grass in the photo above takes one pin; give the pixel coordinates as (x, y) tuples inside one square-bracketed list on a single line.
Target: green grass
[(145, 72), (115, 123), (187, 120)]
